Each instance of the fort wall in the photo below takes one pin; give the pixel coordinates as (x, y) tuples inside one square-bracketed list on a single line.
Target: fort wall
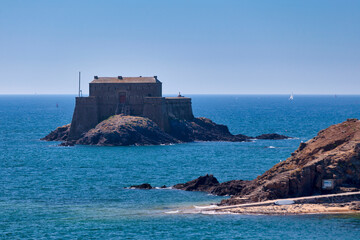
[(113, 96), (129, 96), (179, 107), (85, 116), (155, 109)]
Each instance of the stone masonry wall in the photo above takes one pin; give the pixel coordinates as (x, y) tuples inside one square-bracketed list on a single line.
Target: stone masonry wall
[(85, 116), (179, 107), (107, 95), (155, 109)]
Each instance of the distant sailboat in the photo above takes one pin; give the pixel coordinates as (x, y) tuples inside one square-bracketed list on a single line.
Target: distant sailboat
[(291, 97)]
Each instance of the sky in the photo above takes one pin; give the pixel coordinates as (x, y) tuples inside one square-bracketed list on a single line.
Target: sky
[(193, 46)]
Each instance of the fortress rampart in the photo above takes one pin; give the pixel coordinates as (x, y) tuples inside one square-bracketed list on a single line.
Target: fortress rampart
[(137, 96), (85, 116), (179, 107)]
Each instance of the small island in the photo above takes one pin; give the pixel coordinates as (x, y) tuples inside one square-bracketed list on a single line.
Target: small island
[(127, 111)]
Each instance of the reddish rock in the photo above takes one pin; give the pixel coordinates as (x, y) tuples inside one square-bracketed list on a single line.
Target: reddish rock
[(333, 154), (59, 134), (122, 130)]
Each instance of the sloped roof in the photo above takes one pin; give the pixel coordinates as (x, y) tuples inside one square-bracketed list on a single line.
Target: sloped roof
[(125, 80)]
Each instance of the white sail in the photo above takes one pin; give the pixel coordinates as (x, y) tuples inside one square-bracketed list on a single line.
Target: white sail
[(291, 97)]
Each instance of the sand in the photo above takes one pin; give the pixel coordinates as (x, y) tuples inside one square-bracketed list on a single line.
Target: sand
[(304, 208), (322, 204)]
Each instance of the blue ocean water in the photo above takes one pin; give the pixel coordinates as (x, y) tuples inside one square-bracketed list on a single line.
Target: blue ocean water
[(47, 191)]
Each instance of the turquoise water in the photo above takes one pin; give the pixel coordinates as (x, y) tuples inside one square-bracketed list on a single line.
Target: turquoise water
[(78, 192)]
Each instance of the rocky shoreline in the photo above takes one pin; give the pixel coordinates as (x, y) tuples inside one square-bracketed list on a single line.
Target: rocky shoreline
[(333, 156), (122, 130)]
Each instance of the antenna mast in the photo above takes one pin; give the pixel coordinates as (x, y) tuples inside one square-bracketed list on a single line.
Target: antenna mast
[(79, 83)]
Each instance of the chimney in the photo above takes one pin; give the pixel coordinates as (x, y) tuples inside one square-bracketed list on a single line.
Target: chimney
[(155, 77), (96, 77), (120, 77)]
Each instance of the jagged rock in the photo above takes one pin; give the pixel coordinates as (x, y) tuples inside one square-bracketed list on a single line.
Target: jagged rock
[(122, 130), (142, 186), (202, 129), (229, 188), (59, 134), (333, 154), (203, 183), (272, 136), (210, 184)]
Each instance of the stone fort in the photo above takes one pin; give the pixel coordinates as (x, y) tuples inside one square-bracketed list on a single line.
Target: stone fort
[(137, 96)]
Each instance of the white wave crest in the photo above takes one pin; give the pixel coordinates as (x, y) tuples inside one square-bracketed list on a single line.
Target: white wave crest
[(205, 207), (172, 212)]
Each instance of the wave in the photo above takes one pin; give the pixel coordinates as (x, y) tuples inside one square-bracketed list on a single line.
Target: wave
[(168, 188), (173, 212), (215, 213), (205, 207)]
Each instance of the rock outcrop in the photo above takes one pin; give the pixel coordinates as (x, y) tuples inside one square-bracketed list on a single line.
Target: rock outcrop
[(203, 129), (59, 134), (272, 136), (334, 154), (210, 184), (121, 130), (142, 186), (203, 183)]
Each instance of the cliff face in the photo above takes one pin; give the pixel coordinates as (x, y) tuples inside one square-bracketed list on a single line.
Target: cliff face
[(333, 154)]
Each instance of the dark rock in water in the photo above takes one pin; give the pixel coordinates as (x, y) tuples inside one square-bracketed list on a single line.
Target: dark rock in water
[(334, 154), (142, 186), (202, 129), (122, 130), (203, 183), (163, 186), (59, 134), (211, 185), (272, 136)]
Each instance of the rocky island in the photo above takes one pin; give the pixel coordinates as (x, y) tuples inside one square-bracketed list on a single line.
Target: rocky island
[(125, 111)]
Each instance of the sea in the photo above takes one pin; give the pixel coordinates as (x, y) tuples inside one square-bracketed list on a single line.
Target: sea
[(52, 192)]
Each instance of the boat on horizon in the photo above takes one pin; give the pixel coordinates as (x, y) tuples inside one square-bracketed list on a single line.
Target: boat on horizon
[(291, 97)]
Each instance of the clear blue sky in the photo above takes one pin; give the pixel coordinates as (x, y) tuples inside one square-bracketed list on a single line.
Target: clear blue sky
[(216, 47)]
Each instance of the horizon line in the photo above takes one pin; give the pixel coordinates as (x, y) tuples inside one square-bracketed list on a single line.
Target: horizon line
[(285, 94)]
